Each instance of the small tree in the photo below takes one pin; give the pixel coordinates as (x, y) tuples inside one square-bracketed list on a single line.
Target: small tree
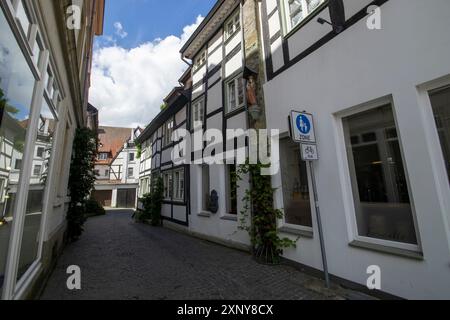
[(82, 179)]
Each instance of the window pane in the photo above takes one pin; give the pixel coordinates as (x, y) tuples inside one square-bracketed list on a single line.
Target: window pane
[(382, 202), (23, 18), (297, 203), (301, 9), (231, 95), (205, 187), (231, 189), (38, 182), (240, 82), (440, 100), (16, 89)]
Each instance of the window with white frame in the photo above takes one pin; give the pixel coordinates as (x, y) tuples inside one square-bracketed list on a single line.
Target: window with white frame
[(198, 113), (295, 187), (233, 25), (235, 93), (131, 157), (440, 101), (200, 60), (23, 17), (103, 156), (298, 10), (168, 185), (168, 130), (130, 172), (380, 187), (178, 193)]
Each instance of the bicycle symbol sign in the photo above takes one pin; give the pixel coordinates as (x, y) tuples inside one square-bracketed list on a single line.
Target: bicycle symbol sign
[(309, 152)]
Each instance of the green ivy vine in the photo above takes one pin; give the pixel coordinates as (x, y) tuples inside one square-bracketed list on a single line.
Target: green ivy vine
[(267, 245), (82, 179), (152, 204)]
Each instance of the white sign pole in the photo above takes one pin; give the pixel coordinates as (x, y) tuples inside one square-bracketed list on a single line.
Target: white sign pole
[(302, 131)]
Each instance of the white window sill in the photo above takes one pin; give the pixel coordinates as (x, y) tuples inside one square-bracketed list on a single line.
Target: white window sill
[(230, 217), (305, 233), (412, 254)]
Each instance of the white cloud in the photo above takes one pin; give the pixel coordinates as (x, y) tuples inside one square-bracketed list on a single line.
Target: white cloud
[(119, 30), (129, 85)]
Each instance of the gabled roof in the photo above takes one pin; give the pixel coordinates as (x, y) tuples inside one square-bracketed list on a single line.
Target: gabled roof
[(111, 141)]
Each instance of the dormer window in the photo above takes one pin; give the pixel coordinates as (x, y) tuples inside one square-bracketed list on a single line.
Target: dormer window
[(297, 11), (200, 60), (103, 156)]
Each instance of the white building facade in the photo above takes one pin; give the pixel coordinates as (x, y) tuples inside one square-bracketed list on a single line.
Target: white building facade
[(380, 96), (44, 71), (117, 168)]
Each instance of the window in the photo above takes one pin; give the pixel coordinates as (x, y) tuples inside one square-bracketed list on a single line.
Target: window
[(294, 176), (235, 93), (233, 25), (130, 172), (18, 165), (16, 87), (205, 187), (231, 189), (131, 157), (168, 130), (179, 185), (37, 170), (299, 10), (168, 185), (380, 189), (440, 101), (22, 16), (198, 113), (40, 152), (103, 156), (200, 60), (106, 173)]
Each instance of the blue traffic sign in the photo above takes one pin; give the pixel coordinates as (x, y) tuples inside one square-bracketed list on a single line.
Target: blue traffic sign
[(303, 124)]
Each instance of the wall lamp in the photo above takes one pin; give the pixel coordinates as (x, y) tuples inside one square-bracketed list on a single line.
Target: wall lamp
[(337, 28)]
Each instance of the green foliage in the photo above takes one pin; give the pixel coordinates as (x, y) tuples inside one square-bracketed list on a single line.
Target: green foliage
[(267, 245), (163, 106), (82, 179), (93, 208), (5, 106), (139, 150), (152, 203)]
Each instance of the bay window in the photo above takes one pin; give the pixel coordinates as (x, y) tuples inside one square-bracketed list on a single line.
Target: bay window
[(235, 93), (440, 101), (297, 11), (380, 188)]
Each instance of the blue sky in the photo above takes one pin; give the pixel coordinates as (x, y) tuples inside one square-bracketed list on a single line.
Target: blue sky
[(146, 20), (136, 62)]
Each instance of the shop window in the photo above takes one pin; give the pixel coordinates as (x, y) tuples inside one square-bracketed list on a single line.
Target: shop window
[(380, 188), (32, 226), (440, 101), (296, 195)]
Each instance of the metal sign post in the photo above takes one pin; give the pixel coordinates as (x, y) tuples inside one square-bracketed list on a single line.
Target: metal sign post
[(302, 131)]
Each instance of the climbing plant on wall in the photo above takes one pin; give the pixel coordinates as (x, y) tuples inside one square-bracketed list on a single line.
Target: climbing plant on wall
[(82, 179), (267, 245)]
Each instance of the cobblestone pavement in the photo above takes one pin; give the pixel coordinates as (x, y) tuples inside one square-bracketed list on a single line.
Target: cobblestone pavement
[(120, 259)]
